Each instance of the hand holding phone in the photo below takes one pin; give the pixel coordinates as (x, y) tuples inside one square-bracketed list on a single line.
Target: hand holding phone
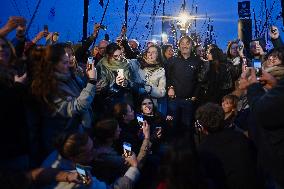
[(120, 73), (90, 62), (140, 119), (83, 172), (127, 149)]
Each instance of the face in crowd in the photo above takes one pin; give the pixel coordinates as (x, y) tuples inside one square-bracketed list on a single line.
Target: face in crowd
[(169, 52), (63, 66), (227, 106), (147, 106), (234, 50), (102, 47), (129, 115), (133, 44), (152, 55), (185, 46), (117, 55), (255, 48)]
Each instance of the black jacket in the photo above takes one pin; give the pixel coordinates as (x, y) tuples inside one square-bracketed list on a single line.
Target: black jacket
[(183, 76), (267, 111), (226, 160)]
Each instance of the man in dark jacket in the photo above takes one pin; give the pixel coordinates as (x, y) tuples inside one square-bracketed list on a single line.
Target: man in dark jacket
[(183, 85), (267, 111)]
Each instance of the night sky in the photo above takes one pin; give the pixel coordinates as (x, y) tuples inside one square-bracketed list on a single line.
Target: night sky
[(65, 16)]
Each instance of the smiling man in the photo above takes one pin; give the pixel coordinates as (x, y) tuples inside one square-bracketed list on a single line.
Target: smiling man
[(183, 85)]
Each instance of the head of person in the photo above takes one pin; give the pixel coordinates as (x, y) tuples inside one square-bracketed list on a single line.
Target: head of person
[(185, 45), (102, 47), (107, 131), (55, 37), (77, 147), (147, 106), (153, 55), (150, 43), (230, 104), (211, 117), (114, 52), (256, 46), (199, 50), (232, 49), (133, 43), (57, 56), (21, 31), (7, 52), (215, 55), (123, 112), (167, 51), (275, 57), (71, 54)]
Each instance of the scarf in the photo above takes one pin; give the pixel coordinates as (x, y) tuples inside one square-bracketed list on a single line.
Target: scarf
[(109, 70)]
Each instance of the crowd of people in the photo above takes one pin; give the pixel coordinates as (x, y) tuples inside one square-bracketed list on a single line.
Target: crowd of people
[(113, 115)]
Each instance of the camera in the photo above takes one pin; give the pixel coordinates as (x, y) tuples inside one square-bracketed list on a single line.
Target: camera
[(127, 149), (240, 45), (120, 73), (140, 119), (103, 27), (90, 62), (83, 172), (257, 66)]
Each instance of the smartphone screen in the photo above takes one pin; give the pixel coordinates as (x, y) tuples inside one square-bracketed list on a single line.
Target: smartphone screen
[(140, 119), (256, 64), (127, 148), (81, 171), (120, 72)]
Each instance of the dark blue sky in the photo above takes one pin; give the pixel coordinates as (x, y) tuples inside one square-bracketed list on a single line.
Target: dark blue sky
[(65, 16)]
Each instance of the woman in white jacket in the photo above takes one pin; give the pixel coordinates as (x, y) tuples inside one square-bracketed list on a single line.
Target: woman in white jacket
[(150, 74)]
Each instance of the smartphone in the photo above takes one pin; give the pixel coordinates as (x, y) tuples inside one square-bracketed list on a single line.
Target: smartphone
[(140, 119), (257, 66), (240, 45), (103, 27), (127, 149), (257, 43), (120, 72), (90, 62), (83, 173)]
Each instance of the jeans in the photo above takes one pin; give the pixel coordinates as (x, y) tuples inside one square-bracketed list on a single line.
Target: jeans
[(182, 111)]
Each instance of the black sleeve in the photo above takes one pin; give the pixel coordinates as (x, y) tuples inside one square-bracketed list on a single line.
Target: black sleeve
[(267, 107), (129, 54), (170, 68), (277, 42), (198, 84)]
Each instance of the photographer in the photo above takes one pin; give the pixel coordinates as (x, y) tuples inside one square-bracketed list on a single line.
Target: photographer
[(74, 149), (267, 112)]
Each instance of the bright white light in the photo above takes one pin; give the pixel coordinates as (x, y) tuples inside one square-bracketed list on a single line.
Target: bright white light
[(183, 18), (164, 35)]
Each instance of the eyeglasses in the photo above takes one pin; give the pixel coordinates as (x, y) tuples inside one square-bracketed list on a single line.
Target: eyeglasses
[(116, 57), (147, 103)]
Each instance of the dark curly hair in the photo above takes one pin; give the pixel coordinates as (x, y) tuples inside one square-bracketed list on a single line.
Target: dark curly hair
[(210, 116)]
